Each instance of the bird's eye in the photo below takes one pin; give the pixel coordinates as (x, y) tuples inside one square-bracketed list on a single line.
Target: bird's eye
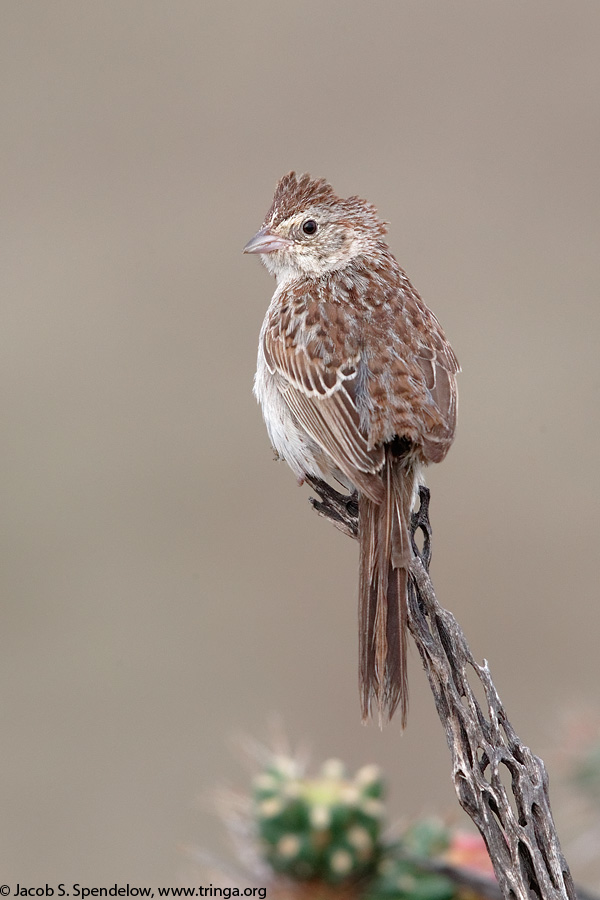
[(309, 227)]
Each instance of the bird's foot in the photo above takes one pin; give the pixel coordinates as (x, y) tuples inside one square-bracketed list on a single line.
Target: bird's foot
[(341, 509)]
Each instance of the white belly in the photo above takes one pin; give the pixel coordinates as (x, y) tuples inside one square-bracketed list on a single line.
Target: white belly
[(290, 441)]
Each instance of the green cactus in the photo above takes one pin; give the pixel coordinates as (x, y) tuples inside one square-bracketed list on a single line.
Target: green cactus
[(399, 876), (326, 828), (399, 879), (329, 830)]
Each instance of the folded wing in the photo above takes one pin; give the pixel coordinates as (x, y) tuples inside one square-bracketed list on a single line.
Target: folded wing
[(322, 397)]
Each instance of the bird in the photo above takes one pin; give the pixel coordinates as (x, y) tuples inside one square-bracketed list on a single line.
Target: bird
[(357, 383)]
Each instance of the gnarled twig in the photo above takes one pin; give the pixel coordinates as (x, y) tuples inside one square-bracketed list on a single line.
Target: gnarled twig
[(518, 830)]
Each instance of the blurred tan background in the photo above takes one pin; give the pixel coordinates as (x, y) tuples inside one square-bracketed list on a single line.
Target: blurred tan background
[(164, 583)]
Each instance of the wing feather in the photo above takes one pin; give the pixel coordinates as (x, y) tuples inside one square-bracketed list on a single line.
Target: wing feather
[(439, 367), (322, 397)]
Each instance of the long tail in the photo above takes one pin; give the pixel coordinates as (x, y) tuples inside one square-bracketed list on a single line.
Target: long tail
[(385, 553)]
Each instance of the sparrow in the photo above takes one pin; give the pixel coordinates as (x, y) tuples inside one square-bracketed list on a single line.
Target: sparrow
[(357, 383)]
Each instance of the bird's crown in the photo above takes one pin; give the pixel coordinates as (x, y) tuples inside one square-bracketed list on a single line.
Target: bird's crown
[(295, 193)]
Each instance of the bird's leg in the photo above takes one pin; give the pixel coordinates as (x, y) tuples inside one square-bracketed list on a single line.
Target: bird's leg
[(341, 509)]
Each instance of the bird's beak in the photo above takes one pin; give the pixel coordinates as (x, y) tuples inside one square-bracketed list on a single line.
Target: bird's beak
[(264, 241)]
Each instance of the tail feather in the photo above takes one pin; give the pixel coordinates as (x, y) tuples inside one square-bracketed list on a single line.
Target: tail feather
[(385, 553)]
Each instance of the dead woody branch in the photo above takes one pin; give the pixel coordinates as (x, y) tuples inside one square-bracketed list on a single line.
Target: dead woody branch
[(516, 824)]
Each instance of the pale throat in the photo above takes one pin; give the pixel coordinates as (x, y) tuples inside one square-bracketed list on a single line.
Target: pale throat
[(288, 267)]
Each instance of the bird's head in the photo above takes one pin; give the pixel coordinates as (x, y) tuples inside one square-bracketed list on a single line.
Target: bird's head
[(310, 231)]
